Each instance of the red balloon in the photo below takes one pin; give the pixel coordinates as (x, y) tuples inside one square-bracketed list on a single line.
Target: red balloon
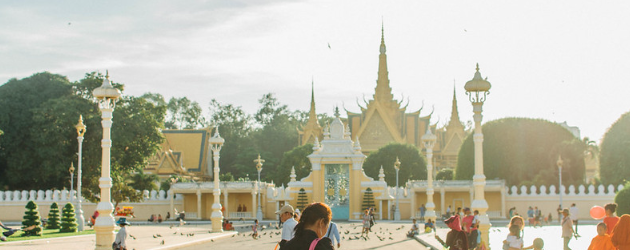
[(597, 212)]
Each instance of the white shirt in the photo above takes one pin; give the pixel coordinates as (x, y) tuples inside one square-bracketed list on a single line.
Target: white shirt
[(573, 211), (121, 236), (333, 233), (287, 229), (514, 242)]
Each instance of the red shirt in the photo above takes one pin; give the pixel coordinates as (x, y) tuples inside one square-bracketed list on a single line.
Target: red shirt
[(610, 222), (467, 221)]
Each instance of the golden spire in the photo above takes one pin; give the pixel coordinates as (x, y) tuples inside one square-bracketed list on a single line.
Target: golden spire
[(454, 113), (312, 115), (382, 91)]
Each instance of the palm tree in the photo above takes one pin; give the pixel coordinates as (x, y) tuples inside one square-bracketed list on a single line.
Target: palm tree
[(142, 181)]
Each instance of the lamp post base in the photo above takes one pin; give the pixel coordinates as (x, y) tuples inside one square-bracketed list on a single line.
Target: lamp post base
[(397, 215), (259, 215), (80, 220), (104, 230)]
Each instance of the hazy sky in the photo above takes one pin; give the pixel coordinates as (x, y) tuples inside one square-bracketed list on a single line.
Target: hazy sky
[(557, 60)]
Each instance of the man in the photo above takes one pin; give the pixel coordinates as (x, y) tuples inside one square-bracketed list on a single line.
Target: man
[(448, 211), (559, 210), (530, 216), (414, 229), (121, 237), (286, 216), (332, 230), (423, 210), (573, 210)]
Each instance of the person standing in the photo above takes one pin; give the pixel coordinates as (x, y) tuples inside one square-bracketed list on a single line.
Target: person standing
[(423, 210), (448, 211), (366, 224), (121, 237), (573, 210), (610, 219), (311, 228), (559, 210), (567, 228), (334, 232), (286, 217), (621, 234)]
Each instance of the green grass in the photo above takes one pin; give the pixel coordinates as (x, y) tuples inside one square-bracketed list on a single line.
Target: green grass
[(47, 233)]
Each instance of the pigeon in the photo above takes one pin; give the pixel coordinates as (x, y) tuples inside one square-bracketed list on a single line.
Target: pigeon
[(154, 236), (158, 235), (270, 236), (391, 238), (175, 233), (233, 235), (133, 237), (171, 226), (162, 243), (212, 240)]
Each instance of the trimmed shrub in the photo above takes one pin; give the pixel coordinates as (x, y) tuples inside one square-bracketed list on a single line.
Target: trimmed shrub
[(32, 218), (68, 221), (302, 200), (53, 217), (623, 200), (368, 199)]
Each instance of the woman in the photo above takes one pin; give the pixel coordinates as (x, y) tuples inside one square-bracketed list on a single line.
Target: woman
[(366, 223), (567, 228), (515, 221), (610, 220), (121, 237), (621, 234), (311, 228)]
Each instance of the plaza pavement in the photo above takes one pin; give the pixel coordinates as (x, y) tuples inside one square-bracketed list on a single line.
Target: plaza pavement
[(385, 235)]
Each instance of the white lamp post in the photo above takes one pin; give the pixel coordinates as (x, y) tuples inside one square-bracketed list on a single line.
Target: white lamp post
[(216, 142), (429, 141), (397, 211), (259, 163), (81, 128), (560, 191), (71, 170), (104, 225), (477, 89)]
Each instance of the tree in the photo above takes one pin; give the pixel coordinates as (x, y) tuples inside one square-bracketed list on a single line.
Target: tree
[(444, 174), (622, 198), (368, 199), (68, 221), (141, 181), (184, 114), (296, 157), (412, 167), (226, 177), (53, 217), (614, 161), (32, 218), (235, 127), (302, 201), (524, 151)]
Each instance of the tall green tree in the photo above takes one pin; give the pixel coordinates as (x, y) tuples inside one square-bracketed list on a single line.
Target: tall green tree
[(412, 163), (184, 114), (235, 126), (524, 151), (614, 161), (298, 158)]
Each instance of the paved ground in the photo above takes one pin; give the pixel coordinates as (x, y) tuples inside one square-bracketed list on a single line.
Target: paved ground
[(390, 238)]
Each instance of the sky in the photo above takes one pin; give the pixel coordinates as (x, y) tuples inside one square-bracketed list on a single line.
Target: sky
[(555, 60)]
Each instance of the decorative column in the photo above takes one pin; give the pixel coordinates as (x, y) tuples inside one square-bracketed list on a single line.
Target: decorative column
[(225, 198), (428, 139), (560, 189), (397, 211), (104, 225), (442, 202), (254, 193), (71, 170), (477, 90), (216, 142), (81, 128), (259, 163), (199, 212)]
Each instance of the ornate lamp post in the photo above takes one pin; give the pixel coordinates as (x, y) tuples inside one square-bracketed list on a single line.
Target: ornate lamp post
[(429, 141), (71, 170), (560, 191), (397, 211), (259, 163), (106, 96), (477, 89), (81, 128), (216, 142)]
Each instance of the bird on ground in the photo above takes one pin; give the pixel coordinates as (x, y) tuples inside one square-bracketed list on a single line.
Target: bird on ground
[(212, 240), (233, 235), (133, 237), (175, 233), (158, 235), (170, 227), (154, 236), (162, 243), (391, 238)]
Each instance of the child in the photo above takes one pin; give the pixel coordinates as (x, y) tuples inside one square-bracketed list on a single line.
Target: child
[(610, 219), (255, 229), (514, 238), (538, 244), (602, 240), (428, 226)]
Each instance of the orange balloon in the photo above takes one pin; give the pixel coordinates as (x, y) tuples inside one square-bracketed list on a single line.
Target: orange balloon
[(597, 212)]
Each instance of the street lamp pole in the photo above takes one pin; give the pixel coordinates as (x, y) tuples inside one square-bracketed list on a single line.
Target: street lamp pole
[(477, 90), (216, 142), (560, 191), (104, 225), (397, 212), (429, 141), (259, 163), (71, 170), (81, 128)]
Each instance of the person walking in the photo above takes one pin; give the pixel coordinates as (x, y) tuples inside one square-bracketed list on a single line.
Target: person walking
[(286, 217), (121, 237), (311, 228), (573, 210), (366, 224), (621, 234), (423, 210), (567, 228), (334, 232)]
